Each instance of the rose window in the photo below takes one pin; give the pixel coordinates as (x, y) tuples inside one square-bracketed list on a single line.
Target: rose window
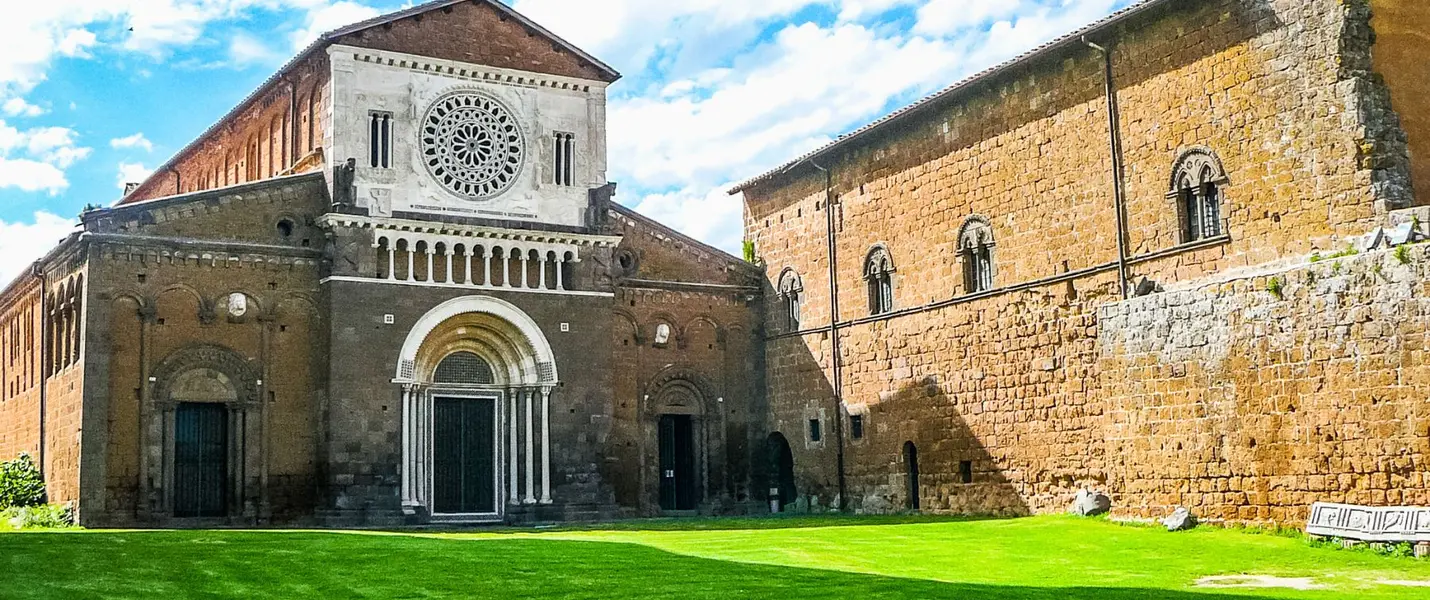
[(472, 145)]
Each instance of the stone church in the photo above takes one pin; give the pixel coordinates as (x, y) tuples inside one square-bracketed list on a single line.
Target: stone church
[(1174, 256), (390, 287)]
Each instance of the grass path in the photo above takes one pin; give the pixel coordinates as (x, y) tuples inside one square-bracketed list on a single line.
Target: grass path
[(1034, 558)]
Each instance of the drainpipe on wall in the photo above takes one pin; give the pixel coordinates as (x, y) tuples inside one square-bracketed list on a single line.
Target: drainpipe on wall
[(834, 332), (1119, 194), (38, 272), (292, 154)]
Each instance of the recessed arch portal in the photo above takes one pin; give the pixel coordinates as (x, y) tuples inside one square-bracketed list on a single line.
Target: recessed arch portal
[(476, 376)]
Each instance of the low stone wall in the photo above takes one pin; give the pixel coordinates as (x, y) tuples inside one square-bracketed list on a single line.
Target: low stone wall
[(1250, 399)]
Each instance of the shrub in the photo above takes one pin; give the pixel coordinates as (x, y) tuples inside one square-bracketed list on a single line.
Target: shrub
[(750, 252), (1277, 288), (1402, 254), (21, 484), (43, 516)]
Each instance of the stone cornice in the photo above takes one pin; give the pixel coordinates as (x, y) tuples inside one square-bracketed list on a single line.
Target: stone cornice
[(468, 231)]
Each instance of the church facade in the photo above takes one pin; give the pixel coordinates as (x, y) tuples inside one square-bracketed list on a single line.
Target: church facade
[(391, 287)]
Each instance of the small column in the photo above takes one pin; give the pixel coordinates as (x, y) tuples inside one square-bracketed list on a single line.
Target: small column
[(530, 457), (560, 281), (407, 449), (391, 260), (471, 254), (514, 456), (431, 253), (542, 285), (411, 262), (546, 445), (524, 256), (506, 269), (450, 254)]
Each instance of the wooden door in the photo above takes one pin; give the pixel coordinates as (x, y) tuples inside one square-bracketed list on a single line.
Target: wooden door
[(464, 456), (201, 460)]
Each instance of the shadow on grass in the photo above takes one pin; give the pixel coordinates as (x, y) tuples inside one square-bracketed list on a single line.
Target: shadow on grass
[(304, 565), (773, 521)]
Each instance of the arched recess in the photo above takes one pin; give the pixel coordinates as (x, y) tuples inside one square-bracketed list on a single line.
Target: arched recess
[(781, 468), (684, 434), (496, 330), (202, 432), (506, 407)]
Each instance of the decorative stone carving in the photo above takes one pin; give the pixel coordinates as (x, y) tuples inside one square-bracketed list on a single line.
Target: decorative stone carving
[(171, 373), (1370, 523), (472, 145)]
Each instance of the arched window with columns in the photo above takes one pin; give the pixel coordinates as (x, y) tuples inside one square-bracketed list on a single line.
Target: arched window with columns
[(791, 297), (975, 252), (1198, 182), (879, 277)]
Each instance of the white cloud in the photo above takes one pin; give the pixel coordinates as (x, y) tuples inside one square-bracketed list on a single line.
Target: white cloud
[(702, 212), (21, 244), (18, 107), (132, 173), (34, 160), (245, 50), (134, 141), (327, 17)]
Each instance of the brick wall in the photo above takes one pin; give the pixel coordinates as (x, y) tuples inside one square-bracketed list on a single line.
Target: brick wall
[(281, 124)]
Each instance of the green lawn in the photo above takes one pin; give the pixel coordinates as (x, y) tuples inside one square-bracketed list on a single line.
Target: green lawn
[(1042, 557)]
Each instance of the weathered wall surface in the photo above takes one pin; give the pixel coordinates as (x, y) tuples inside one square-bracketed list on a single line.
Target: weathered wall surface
[(1281, 91), (161, 297), (709, 367), (1248, 406), (1402, 30)]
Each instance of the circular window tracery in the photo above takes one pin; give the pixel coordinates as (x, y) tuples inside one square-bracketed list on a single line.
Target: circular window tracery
[(472, 145)]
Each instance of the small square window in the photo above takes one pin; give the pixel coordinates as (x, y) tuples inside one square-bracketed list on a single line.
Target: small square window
[(815, 434), (856, 427), (965, 471)]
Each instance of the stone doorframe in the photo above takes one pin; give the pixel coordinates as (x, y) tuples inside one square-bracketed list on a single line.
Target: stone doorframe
[(524, 371), (245, 429), (682, 391)]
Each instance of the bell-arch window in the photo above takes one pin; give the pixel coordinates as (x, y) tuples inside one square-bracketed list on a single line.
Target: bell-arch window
[(464, 368), (879, 277), (975, 251), (791, 295), (1198, 183)]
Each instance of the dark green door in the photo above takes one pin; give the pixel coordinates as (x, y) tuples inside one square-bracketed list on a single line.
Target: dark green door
[(678, 477), (464, 456), (200, 460)]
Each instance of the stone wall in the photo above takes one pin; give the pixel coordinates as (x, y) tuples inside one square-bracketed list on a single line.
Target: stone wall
[(1401, 28), (1281, 91), (1249, 400)]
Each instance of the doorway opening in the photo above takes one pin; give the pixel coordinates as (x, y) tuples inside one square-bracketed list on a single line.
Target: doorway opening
[(679, 480), (782, 465), (464, 478), (911, 467), (200, 460)]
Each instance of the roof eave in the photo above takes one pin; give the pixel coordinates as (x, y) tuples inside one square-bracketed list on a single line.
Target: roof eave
[(1060, 43)]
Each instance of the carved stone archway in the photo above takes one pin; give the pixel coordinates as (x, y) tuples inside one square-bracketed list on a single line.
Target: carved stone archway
[(682, 392), (204, 375)]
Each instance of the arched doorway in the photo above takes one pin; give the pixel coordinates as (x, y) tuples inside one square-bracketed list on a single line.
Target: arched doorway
[(476, 375), (688, 436), (911, 470), (201, 431), (782, 467), (202, 399)]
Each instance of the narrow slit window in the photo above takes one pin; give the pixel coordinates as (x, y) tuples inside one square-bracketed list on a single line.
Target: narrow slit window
[(815, 434), (856, 427), (564, 160), (380, 140)]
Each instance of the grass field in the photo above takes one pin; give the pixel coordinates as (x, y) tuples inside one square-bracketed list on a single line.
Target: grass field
[(1042, 558)]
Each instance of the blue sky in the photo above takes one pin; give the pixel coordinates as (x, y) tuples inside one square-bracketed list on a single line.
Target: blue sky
[(96, 92)]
